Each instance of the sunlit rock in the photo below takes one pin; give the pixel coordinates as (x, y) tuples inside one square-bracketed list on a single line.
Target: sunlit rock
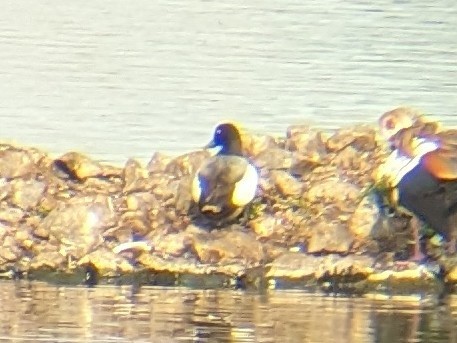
[(10, 251), (131, 223), (293, 265), (12, 215), (5, 188), (365, 217), (330, 237), (360, 266), (158, 163), (183, 195), (361, 137), (133, 172), (274, 158), (78, 224), (106, 262), (306, 141), (186, 164), (254, 145), (172, 244), (78, 166), (227, 246), (15, 162), (27, 193), (267, 226), (333, 190), (311, 218), (285, 183)]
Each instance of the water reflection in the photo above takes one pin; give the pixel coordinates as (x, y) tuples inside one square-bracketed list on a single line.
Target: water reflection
[(40, 312)]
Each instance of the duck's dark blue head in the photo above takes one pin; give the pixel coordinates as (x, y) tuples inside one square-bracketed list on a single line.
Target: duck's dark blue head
[(227, 138)]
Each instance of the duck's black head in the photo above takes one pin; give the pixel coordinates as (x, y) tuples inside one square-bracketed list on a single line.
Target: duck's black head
[(227, 137)]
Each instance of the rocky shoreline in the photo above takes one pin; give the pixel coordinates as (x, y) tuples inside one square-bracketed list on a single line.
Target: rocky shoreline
[(315, 224)]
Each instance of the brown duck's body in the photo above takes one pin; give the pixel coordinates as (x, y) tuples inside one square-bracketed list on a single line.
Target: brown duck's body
[(426, 185)]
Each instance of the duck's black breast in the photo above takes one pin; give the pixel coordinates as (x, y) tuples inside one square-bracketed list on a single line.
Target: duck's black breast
[(432, 200)]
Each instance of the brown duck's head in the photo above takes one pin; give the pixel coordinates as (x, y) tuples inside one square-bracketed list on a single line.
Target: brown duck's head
[(404, 141), (399, 118)]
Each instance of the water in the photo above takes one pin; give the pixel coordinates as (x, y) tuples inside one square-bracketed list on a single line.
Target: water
[(36, 312), (128, 78)]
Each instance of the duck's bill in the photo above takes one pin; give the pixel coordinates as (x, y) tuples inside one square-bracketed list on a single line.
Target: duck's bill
[(210, 145)]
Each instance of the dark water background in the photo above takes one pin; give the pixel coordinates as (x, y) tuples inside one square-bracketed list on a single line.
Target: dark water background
[(128, 78), (36, 312)]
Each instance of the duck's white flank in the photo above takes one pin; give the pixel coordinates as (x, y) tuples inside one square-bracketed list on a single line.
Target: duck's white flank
[(196, 188), (246, 188), (398, 165)]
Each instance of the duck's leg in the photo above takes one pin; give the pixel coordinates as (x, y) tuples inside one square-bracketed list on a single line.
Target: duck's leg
[(417, 255), (415, 225), (451, 245)]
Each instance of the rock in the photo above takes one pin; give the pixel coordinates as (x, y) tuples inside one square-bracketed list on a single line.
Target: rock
[(311, 199), (305, 164), (142, 201), (77, 166), (5, 189), (301, 266), (361, 137), (348, 266), (274, 158), (24, 239), (158, 163), (107, 263), (41, 232), (173, 244), (365, 218), (186, 164), (254, 145), (286, 184), (9, 252), (15, 162), (79, 223), (27, 193), (4, 231), (333, 190), (133, 172), (267, 226), (151, 183), (293, 265), (305, 140), (11, 215), (452, 275), (167, 190), (330, 238), (131, 223), (299, 136), (183, 196), (48, 260), (348, 158), (227, 246)]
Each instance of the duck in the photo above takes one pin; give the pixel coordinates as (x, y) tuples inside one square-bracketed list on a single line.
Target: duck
[(421, 172), (406, 117), (226, 183)]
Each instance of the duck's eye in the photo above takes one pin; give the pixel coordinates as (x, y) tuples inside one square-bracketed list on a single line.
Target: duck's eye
[(390, 124), (218, 131)]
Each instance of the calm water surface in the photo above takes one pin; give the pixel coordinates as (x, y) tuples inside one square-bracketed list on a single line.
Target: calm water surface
[(34, 312), (128, 78)]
